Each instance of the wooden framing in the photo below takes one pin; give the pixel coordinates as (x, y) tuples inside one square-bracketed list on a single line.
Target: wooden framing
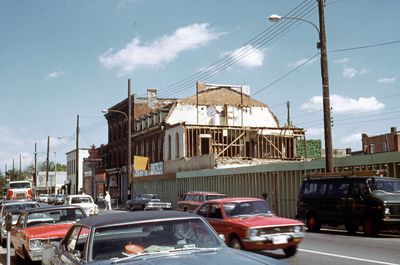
[(243, 142)]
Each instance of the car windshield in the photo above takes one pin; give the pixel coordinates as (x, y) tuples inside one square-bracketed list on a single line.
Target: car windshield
[(20, 185), (54, 216), (233, 209), (385, 185), (147, 197), (153, 237), (81, 200), (215, 196)]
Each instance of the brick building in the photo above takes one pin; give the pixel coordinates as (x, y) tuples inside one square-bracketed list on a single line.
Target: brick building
[(388, 142)]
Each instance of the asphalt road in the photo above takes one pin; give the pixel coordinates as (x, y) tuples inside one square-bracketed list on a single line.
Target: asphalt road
[(329, 247), (334, 247)]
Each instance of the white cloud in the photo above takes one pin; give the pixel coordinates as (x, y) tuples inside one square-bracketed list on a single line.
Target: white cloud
[(161, 51), (54, 74), (341, 61), (386, 81), (247, 57), (352, 138), (350, 72), (302, 61), (344, 105), (314, 131)]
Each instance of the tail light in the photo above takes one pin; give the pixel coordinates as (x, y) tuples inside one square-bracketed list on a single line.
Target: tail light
[(10, 194), (30, 193)]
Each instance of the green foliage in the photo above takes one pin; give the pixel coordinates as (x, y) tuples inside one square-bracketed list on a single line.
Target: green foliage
[(310, 149)]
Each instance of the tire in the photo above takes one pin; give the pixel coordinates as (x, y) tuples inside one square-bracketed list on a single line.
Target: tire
[(370, 227), (185, 209), (234, 242), (313, 224), (131, 208), (351, 228), (290, 251)]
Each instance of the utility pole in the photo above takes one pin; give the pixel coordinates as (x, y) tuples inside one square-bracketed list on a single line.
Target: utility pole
[(47, 164), (325, 89), (77, 156), (129, 179), (289, 123), (35, 173), (20, 168)]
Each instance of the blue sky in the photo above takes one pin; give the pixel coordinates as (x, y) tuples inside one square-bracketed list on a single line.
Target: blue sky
[(63, 58)]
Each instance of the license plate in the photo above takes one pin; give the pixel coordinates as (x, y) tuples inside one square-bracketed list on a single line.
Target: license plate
[(279, 240)]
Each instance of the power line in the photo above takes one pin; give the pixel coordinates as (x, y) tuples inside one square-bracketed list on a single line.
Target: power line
[(224, 63)]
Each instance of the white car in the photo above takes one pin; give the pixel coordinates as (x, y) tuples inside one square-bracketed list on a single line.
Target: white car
[(84, 201)]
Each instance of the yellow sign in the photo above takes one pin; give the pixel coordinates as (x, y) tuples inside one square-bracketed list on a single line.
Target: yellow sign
[(140, 163)]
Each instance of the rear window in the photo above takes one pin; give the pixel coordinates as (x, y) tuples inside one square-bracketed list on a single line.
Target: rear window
[(215, 196), (20, 185)]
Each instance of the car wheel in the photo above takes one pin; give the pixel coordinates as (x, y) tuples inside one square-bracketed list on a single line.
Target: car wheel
[(370, 227), (185, 209), (313, 223), (351, 228), (290, 251), (235, 243)]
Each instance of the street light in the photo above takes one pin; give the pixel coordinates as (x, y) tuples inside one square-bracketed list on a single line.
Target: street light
[(325, 79)]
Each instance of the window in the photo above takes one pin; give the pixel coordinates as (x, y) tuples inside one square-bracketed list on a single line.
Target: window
[(371, 148), (310, 187), (169, 147), (177, 145), (76, 242), (215, 211), (203, 210)]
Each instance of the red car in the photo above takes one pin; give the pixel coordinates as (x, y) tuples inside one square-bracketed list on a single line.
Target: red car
[(248, 223), (39, 225)]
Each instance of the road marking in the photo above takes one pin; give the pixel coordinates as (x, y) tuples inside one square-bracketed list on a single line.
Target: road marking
[(347, 257)]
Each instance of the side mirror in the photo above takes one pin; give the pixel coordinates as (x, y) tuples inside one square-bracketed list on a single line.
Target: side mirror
[(8, 221), (222, 237), (76, 253)]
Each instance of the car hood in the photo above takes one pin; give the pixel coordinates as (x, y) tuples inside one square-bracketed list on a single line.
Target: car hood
[(388, 197), (219, 257), (265, 221), (49, 231)]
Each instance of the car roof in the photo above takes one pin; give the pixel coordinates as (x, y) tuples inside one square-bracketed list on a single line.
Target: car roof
[(235, 199), (129, 217), (51, 207), (5, 203), (338, 176), (204, 192), (79, 195)]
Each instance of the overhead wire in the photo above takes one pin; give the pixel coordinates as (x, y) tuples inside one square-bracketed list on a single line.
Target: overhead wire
[(229, 60)]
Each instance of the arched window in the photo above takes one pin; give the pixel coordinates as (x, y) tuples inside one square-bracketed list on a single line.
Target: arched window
[(169, 147), (177, 145)]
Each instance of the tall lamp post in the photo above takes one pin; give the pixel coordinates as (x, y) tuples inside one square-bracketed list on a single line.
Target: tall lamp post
[(325, 79), (128, 117)]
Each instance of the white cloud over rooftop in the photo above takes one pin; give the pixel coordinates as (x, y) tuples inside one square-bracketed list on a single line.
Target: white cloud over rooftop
[(160, 51)]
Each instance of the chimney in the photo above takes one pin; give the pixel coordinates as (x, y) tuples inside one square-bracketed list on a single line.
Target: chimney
[(201, 86), (151, 93), (393, 130)]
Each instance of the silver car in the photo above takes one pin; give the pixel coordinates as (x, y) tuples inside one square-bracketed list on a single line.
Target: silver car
[(14, 207)]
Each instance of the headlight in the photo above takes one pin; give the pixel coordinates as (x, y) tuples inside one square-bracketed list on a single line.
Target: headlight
[(387, 211), (252, 232), (35, 244), (297, 229)]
